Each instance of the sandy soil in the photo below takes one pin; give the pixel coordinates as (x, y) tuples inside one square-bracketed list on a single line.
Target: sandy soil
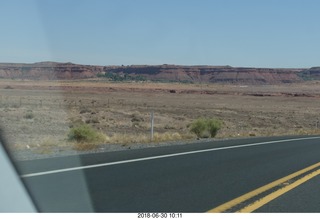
[(41, 113)]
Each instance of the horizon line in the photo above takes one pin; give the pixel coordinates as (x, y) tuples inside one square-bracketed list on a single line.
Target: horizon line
[(164, 64)]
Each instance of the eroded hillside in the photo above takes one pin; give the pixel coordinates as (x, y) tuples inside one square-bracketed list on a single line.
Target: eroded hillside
[(163, 73)]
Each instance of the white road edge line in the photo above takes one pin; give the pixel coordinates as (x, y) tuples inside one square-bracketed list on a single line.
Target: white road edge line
[(161, 156)]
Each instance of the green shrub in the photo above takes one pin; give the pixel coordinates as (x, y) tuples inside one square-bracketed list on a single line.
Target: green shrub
[(213, 126), (29, 115), (8, 87), (205, 128), (198, 127), (85, 133)]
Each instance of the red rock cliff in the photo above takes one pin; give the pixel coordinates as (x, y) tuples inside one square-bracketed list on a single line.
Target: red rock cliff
[(193, 74)]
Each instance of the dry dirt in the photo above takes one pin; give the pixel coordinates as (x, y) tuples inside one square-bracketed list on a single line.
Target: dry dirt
[(40, 113)]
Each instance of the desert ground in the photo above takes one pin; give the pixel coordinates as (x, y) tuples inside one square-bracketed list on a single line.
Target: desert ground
[(41, 113)]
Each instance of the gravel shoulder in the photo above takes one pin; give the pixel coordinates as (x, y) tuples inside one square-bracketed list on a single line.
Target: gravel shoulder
[(60, 151)]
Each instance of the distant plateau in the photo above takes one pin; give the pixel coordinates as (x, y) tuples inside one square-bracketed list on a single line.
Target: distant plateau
[(159, 73)]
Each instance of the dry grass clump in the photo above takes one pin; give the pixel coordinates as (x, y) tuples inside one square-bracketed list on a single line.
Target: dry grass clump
[(126, 139), (48, 142), (307, 132), (85, 146), (167, 136)]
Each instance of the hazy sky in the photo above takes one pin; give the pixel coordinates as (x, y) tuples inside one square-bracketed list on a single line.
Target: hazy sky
[(248, 33)]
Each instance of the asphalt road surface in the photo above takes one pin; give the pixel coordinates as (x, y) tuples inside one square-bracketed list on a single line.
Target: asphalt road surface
[(302, 199), (185, 178)]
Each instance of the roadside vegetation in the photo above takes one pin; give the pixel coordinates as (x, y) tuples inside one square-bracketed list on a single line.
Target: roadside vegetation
[(121, 77), (29, 115), (84, 133), (85, 137), (205, 128)]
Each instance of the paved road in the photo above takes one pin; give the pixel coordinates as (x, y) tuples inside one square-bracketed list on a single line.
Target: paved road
[(188, 178), (302, 199)]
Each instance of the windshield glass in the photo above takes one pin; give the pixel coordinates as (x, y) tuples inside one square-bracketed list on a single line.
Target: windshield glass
[(160, 106)]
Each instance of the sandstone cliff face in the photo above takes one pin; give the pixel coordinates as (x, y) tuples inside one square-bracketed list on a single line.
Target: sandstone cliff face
[(212, 74), (48, 71), (192, 74)]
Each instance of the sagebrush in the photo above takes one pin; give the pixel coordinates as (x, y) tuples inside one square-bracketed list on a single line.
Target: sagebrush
[(205, 128), (85, 134)]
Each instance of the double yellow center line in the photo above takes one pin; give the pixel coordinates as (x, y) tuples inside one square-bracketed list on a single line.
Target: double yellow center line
[(287, 183)]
